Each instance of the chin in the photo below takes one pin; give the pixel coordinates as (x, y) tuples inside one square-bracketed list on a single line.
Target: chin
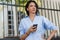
[(34, 13)]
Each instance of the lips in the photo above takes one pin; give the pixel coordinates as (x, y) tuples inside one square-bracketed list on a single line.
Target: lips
[(33, 10)]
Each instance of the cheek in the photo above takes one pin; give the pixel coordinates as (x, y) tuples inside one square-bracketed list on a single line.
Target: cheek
[(30, 9)]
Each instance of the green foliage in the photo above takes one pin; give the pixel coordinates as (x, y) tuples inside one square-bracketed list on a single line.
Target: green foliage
[(21, 2)]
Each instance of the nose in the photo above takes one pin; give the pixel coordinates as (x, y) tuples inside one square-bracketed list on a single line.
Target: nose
[(34, 7)]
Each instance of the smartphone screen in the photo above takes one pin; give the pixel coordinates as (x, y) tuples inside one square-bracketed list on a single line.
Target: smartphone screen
[(35, 25)]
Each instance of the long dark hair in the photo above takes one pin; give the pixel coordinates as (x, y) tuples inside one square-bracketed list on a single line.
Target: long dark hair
[(28, 5)]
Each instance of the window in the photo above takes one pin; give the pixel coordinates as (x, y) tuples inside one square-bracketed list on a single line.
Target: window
[(10, 24)]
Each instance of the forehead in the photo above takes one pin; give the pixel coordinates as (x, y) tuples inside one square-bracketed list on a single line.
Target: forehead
[(32, 3)]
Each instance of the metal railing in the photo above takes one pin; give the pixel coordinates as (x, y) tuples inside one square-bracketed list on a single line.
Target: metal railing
[(51, 10)]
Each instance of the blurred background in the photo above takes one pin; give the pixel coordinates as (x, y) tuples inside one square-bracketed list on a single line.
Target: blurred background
[(12, 11)]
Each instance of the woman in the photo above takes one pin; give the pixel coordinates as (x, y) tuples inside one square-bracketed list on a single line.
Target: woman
[(33, 27)]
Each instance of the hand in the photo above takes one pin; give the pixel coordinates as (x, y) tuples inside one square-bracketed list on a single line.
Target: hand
[(48, 39), (32, 29)]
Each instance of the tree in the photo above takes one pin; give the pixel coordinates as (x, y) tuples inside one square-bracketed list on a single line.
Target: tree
[(21, 2)]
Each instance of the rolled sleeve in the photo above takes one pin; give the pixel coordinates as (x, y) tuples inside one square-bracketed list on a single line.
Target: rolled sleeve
[(49, 25), (21, 29)]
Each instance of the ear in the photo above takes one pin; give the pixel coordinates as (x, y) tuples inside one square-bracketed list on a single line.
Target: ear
[(27, 9)]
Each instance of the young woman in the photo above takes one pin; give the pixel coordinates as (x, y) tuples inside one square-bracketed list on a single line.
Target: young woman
[(33, 27)]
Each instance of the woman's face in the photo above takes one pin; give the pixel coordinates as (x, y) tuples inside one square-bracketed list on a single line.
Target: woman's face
[(32, 8)]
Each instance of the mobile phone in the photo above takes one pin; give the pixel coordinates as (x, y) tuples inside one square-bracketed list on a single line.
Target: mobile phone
[(35, 25)]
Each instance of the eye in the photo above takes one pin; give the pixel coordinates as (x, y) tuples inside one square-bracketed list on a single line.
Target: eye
[(31, 5), (34, 5)]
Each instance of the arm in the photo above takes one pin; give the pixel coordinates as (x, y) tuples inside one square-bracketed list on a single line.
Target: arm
[(50, 26), (52, 34), (24, 36)]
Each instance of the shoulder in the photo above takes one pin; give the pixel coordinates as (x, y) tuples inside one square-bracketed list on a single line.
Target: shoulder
[(41, 17), (25, 18)]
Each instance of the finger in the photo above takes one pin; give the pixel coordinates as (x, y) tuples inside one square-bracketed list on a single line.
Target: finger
[(35, 29), (31, 26)]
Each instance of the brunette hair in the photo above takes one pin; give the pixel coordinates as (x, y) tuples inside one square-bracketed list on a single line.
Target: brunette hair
[(28, 5)]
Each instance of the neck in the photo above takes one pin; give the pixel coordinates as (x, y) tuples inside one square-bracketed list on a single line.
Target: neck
[(31, 16)]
